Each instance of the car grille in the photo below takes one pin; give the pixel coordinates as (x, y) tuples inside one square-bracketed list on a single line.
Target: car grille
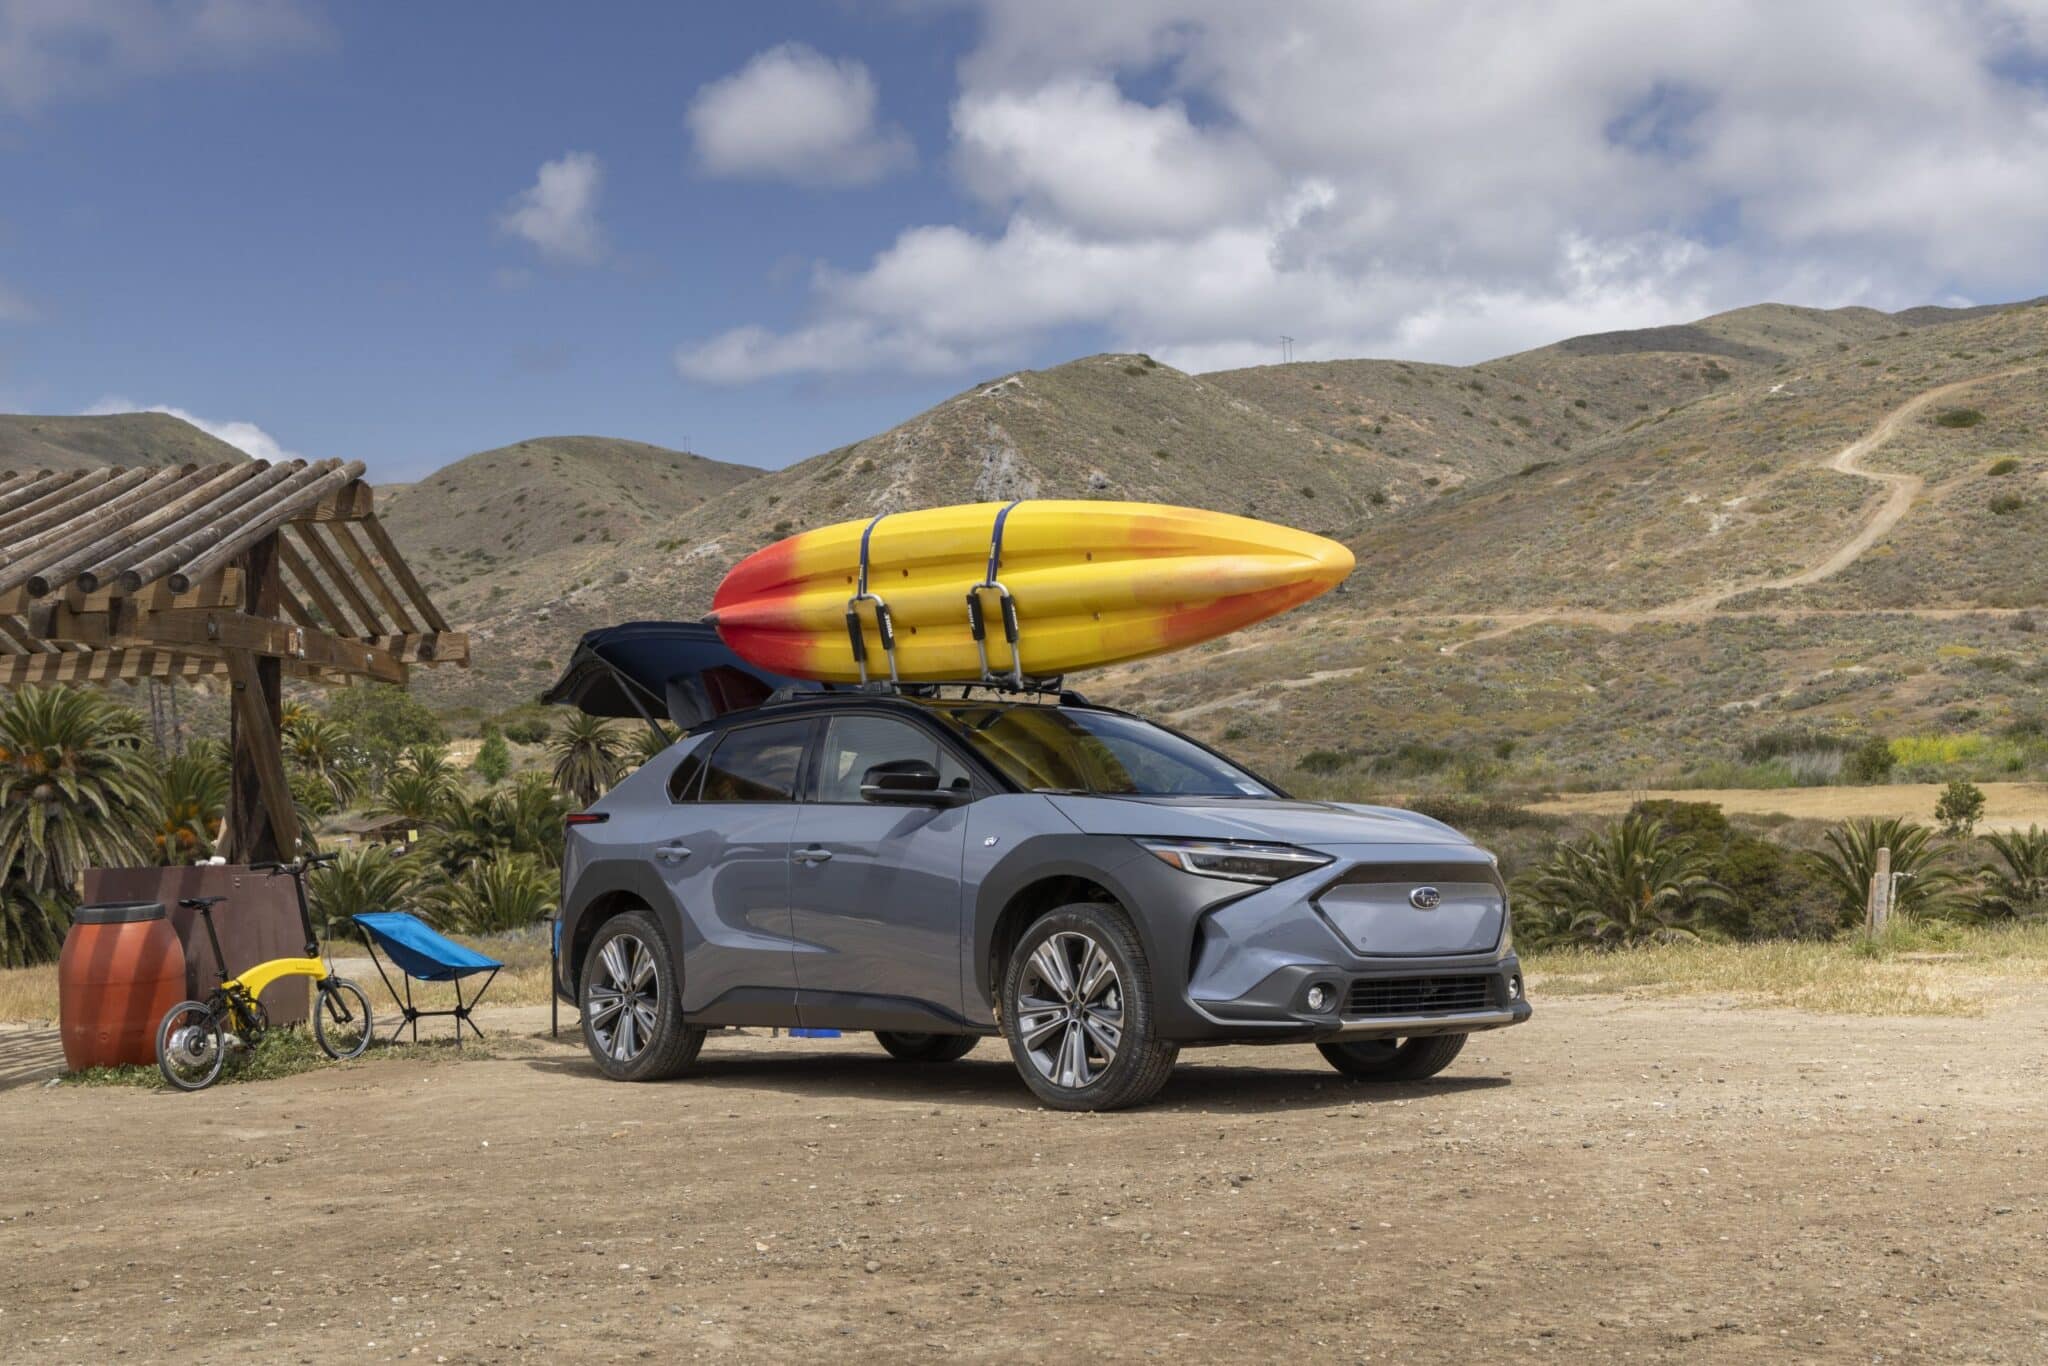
[(1419, 995)]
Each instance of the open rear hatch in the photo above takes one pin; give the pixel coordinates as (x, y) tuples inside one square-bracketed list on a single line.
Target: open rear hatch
[(675, 669)]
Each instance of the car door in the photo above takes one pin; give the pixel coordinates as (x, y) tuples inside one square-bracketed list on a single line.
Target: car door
[(876, 898), (729, 868)]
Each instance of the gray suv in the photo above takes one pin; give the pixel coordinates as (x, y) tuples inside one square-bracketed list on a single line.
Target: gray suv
[(937, 865)]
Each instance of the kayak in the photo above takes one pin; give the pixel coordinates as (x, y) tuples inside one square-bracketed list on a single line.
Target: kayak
[(1075, 584)]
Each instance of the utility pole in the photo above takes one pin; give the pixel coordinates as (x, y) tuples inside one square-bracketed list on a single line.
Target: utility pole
[(1883, 887), (1286, 350)]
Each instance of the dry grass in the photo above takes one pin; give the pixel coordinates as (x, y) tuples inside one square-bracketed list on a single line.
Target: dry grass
[(1917, 970), (28, 995)]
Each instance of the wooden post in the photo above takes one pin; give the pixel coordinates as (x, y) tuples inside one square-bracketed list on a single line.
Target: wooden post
[(1881, 892), (261, 824)]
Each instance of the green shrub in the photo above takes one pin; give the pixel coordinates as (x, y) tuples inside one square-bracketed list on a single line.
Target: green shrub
[(1324, 761), (494, 758), (1960, 808), (1958, 417), (2006, 503), (1871, 762), (2005, 464), (527, 732)]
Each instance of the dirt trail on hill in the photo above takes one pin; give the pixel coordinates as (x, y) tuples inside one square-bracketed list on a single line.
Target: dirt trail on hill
[(1619, 1180), (1904, 489)]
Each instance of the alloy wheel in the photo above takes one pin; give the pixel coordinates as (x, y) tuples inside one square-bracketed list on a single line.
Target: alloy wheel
[(622, 998), (1070, 1011)]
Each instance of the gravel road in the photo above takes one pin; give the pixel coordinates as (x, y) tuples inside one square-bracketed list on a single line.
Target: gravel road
[(1619, 1180)]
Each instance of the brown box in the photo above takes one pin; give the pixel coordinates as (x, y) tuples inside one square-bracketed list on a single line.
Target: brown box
[(258, 921)]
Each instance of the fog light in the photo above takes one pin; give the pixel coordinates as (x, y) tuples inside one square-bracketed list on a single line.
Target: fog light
[(1514, 988), (1318, 996)]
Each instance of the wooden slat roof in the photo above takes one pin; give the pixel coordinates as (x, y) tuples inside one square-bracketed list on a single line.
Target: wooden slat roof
[(138, 568)]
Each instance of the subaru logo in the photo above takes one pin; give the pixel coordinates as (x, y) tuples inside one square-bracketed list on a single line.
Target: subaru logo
[(1425, 898)]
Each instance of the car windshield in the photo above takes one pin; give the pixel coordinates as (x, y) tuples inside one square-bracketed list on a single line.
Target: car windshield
[(1058, 749)]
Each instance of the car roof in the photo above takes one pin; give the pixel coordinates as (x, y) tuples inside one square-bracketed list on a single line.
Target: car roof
[(912, 698)]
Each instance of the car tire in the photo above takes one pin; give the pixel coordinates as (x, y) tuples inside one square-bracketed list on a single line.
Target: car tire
[(1394, 1059), (630, 996), (926, 1047), (1084, 1044)]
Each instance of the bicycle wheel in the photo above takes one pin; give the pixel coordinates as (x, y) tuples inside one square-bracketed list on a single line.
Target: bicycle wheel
[(189, 1046), (341, 1019)]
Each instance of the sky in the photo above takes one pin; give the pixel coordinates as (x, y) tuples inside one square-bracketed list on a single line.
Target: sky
[(403, 233)]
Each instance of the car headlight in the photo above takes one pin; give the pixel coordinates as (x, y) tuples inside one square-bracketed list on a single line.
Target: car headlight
[(1234, 861)]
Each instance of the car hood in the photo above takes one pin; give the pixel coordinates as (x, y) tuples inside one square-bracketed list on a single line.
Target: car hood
[(1275, 820)]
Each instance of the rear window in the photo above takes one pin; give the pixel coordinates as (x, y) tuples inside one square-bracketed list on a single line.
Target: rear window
[(756, 764)]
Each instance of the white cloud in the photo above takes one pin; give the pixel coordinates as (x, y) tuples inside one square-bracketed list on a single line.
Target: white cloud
[(244, 436), (1449, 180), (794, 114), (557, 214), (60, 49)]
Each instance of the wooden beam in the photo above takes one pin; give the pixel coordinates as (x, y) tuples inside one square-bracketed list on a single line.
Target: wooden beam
[(402, 571), (104, 666), (310, 581), (350, 503), (339, 577), (367, 567), (261, 822), (227, 631), (223, 589), (426, 647), (261, 519)]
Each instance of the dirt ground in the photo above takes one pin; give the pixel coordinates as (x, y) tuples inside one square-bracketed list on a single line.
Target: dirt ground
[(1618, 1180), (2007, 806)]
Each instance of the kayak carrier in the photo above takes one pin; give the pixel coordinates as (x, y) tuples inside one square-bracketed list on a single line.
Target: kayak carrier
[(977, 618)]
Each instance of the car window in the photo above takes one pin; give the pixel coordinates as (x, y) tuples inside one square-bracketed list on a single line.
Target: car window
[(854, 744), (1056, 749), (756, 764), (682, 784)]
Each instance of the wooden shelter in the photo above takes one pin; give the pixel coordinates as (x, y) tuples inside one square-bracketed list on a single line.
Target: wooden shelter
[(244, 572)]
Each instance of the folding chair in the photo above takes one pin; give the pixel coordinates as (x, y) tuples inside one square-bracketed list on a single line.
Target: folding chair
[(419, 951)]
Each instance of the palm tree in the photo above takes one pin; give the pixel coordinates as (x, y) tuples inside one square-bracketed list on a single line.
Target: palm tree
[(321, 749), (415, 796), (1632, 883), (647, 743), (195, 799), (363, 879), (428, 761), (510, 892), (32, 924), (586, 757), (77, 788), (2020, 888), (1850, 862), (522, 818)]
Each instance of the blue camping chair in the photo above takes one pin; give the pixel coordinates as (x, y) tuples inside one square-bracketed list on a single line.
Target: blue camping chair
[(420, 951)]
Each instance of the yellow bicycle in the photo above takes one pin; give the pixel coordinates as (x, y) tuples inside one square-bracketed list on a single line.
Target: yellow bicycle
[(195, 1038)]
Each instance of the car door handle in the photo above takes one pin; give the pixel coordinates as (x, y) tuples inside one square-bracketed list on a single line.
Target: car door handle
[(813, 855), (671, 853)]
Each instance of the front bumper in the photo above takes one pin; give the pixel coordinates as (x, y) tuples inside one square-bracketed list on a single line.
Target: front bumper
[(1404, 1001), (1338, 954)]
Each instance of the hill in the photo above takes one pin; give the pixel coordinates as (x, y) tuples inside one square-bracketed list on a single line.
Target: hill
[(526, 506), (30, 442)]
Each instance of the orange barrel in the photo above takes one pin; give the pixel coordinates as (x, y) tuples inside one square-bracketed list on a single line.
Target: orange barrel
[(121, 969)]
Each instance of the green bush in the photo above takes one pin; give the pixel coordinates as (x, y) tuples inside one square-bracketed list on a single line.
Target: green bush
[(1960, 808), (2004, 504), (2005, 464), (1958, 417), (494, 759), (531, 731), (1324, 761), (1871, 762)]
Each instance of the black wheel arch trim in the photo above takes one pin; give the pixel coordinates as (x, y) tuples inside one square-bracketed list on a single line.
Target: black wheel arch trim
[(596, 881)]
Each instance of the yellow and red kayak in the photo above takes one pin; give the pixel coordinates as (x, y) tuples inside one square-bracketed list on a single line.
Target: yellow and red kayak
[(1092, 583)]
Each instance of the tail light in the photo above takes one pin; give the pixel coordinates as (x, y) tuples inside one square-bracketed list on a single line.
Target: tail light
[(588, 817)]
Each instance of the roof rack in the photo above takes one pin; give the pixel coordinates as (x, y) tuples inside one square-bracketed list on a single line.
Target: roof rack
[(964, 690)]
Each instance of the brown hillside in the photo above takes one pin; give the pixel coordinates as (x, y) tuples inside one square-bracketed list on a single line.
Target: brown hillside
[(30, 442)]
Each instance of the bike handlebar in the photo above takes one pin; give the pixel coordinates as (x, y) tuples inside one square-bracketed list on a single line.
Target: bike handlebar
[(310, 861)]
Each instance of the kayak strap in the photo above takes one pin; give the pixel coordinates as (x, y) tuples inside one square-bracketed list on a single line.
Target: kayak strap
[(1006, 605), (884, 626)]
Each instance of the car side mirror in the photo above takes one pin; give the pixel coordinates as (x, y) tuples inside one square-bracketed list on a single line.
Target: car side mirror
[(906, 782)]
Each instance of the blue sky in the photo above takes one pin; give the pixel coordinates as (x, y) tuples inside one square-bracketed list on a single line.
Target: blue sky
[(404, 233)]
